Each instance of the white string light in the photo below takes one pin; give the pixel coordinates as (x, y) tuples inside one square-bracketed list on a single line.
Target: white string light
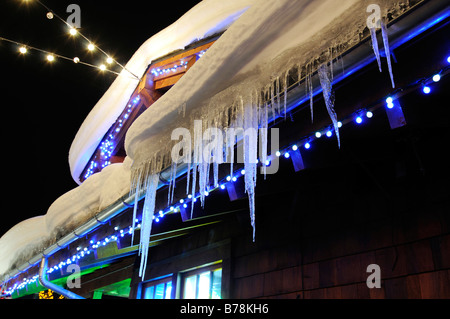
[(73, 32), (24, 48)]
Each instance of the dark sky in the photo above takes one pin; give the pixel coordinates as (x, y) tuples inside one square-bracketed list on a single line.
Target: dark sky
[(43, 105)]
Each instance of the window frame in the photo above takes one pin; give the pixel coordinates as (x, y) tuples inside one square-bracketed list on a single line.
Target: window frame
[(196, 272)]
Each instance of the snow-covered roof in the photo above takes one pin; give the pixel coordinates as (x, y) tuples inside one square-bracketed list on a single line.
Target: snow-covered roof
[(263, 42)]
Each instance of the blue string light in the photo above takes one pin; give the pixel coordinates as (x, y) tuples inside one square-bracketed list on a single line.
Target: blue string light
[(82, 252)]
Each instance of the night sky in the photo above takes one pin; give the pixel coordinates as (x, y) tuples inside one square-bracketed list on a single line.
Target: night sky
[(44, 104)]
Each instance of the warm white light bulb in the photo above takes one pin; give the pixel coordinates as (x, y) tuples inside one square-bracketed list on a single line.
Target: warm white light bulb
[(73, 31), (91, 47), (23, 50), (50, 58), (76, 59), (102, 67), (109, 60)]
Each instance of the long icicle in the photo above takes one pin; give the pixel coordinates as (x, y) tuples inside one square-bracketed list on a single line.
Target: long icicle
[(373, 35), (148, 212), (387, 50)]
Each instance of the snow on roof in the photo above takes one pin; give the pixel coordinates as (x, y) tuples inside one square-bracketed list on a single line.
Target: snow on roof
[(207, 18), (75, 207), (267, 41)]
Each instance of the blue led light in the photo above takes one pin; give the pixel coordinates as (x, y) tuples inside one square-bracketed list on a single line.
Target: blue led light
[(359, 120), (436, 77), (426, 89), (287, 155), (277, 154), (294, 147), (389, 100), (307, 145), (329, 133), (222, 186), (369, 114)]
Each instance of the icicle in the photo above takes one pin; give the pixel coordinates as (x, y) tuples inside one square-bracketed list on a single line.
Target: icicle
[(278, 96), (148, 212), (285, 91), (173, 174), (197, 157), (373, 34), (263, 135), (136, 201), (272, 100), (309, 92), (188, 175), (328, 95), (250, 157), (387, 50)]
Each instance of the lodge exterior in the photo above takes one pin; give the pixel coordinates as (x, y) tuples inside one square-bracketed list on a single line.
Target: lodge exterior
[(382, 198)]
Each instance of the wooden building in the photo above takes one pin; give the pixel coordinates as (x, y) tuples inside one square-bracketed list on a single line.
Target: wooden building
[(322, 219)]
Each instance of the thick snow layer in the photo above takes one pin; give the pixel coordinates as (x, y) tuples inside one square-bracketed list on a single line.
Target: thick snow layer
[(205, 19)]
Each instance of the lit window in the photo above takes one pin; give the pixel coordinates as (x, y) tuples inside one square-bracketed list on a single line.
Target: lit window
[(203, 284), (158, 289)]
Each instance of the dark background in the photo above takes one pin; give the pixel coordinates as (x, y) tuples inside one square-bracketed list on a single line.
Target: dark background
[(43, 105)]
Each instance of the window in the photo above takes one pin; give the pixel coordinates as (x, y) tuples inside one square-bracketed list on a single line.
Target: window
[(158, 289), (204, 283)]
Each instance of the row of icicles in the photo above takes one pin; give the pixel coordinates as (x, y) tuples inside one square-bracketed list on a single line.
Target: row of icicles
[(251, 114)]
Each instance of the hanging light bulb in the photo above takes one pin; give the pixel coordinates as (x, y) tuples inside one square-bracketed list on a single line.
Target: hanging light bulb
[(91, 47), (102, 67), (23, 49), (73, 31), (49, 15), (76, 59), (109, 60), (50, 58)]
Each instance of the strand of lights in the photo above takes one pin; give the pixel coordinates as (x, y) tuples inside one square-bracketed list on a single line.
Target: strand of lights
[(107, 146), (91, 46), (357, 117), (158, 72)]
